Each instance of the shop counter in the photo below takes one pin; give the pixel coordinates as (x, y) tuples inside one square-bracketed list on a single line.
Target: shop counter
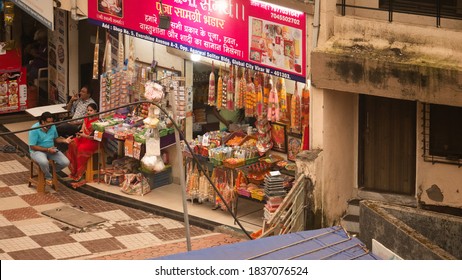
[(165, 142), (55, 109)]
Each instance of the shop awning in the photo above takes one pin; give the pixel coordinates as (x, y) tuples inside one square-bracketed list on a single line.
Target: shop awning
[(328, 243), (41, 10)]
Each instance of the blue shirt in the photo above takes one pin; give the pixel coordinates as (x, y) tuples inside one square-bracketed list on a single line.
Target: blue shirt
[(38, 137)]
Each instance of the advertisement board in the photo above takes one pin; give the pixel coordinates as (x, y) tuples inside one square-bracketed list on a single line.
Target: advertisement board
[(58, 60), (251, 34), (13, 91)]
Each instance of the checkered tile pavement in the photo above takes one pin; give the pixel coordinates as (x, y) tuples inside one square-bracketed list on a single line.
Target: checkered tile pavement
[(127, 234)]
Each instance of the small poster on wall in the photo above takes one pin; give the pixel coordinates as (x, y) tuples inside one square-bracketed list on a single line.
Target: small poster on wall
[(294, 146), (278, 136), (13, 91), (275, 45)]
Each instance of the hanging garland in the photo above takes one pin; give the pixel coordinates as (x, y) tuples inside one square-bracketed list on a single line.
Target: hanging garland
[(219, 90), (282, 95), (273, 104), (211, 96), (96, 56), (295, 116), (230, 89), (250, 100)]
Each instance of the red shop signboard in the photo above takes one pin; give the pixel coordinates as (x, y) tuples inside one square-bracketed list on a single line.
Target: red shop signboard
[(252, 34)]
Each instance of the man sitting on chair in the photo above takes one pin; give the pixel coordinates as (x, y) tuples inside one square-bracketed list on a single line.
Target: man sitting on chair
[(77, 106), (42, 146)]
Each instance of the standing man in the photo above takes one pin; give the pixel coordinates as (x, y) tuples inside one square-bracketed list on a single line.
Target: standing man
[(42, 146), (77, 106), (228, 117)]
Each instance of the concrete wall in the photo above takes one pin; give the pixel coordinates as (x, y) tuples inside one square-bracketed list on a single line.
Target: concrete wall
[(81, 4), (391, 60), (437, 184), (333, 171), (310, 164), (317, 118), (340, 148), (411, 233), (363, 55)]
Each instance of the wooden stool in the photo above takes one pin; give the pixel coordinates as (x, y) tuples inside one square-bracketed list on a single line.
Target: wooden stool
[(101, 158), (39, 179)]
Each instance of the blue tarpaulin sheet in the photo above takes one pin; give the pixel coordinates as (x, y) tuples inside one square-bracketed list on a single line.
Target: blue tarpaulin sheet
[(328, 243)]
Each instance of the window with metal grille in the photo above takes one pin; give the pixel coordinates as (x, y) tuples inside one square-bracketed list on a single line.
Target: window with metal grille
[(446, 8), (443, 134)]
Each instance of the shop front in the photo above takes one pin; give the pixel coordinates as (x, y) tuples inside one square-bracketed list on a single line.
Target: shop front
[(13, 87), (243, 111), (33, 55)]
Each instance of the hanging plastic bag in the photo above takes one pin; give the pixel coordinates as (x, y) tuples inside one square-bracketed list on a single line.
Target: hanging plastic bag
[(152, 160)]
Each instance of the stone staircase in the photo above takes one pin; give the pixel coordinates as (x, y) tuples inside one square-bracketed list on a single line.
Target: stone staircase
[(350, 222)]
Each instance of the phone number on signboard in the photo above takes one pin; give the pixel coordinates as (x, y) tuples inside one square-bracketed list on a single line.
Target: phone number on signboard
[(285, 18)]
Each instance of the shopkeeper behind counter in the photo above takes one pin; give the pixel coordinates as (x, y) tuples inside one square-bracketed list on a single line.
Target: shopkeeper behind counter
[(228, 117)]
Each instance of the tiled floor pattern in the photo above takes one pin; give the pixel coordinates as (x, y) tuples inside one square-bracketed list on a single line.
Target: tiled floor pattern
[(128, 233), (169, 197)]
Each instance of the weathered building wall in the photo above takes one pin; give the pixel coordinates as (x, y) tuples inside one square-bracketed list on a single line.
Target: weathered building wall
[(340, 148), (310, 163), (409, 62), (391, 60), (333, 171), (437, 184), (362, 74)]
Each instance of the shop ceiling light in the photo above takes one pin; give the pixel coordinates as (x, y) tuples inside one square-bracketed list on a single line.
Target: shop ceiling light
[(221, 5), (195, 57)]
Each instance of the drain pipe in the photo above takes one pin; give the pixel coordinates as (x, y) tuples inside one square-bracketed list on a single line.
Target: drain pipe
[(316, 25), (74, 8)]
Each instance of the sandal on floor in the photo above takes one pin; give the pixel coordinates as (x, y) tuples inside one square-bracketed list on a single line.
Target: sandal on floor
[(78, 184), (76, 179), (67, 179)]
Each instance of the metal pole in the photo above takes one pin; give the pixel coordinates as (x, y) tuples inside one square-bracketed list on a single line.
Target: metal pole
[(390, 11), (438, 13), (182, 175)]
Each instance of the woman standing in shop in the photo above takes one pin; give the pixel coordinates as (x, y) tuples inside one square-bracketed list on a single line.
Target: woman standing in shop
[(82, 146)]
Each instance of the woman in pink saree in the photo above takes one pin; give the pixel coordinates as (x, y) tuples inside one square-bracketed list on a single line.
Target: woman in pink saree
[(83, 146)]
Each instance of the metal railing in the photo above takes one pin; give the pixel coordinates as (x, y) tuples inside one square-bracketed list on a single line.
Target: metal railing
[(391, 6)]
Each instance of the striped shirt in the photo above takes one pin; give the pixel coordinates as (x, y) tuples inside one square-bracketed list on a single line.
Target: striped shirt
[(79, 107)]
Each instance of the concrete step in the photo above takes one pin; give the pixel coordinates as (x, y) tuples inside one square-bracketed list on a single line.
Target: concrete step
[(353, 208), (351, 223)]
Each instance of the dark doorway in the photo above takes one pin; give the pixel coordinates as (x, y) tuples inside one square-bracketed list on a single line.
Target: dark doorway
[(387, 145)]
